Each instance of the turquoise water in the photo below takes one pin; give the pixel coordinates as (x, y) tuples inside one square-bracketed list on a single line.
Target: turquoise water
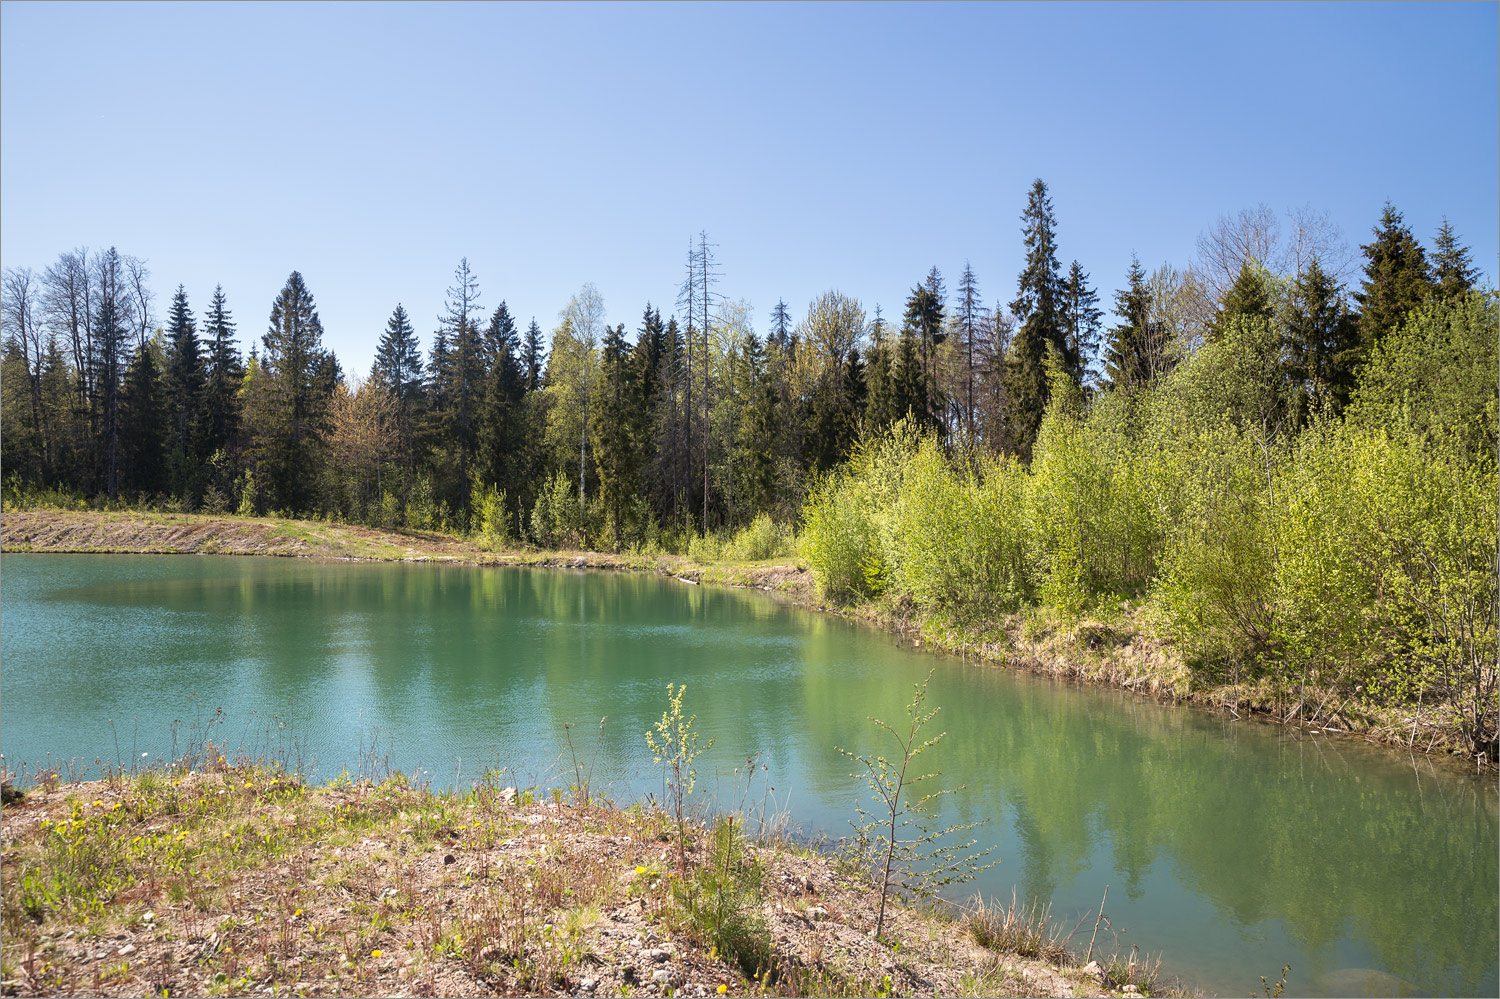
[(1233, 848)]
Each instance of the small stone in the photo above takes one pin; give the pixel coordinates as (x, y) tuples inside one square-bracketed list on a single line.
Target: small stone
[(587, 985), (1130, 990), (1092, 968), (664, 976), (127, 950), (816, 912), (449, 859), (149, 917)]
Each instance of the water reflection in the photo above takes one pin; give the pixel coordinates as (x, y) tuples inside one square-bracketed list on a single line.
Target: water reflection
[(1235, 848)]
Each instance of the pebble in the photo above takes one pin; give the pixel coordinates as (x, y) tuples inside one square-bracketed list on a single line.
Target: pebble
[(817, 912), (587, 985), (127, 950), (665, 976), (1130, 990)]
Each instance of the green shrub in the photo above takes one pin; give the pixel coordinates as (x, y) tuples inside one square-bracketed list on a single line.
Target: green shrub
[(490, 517), (720, 901)]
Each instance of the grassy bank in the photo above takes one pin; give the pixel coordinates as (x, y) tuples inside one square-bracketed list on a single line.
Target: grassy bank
[(237, 880), (1122, 648)]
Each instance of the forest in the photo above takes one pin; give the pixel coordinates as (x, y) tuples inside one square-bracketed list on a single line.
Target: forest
[(1285, 449)]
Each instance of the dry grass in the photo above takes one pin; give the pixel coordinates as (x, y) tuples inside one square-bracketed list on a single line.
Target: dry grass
[(238, 880)]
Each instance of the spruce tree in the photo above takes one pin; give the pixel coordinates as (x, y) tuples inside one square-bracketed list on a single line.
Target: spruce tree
[(221, 388), (398, 359), (1125, 363), (299, 372), (108, 335), (1396, 281), (619, 415), (971, 318), (499, 336), (1038, 310), (924, 323), (1452, 268), (144, 423), (503, 418), (781, 326), (533, 356), (1321, 346), (1252, 296), (1081, 321), (185, 377)]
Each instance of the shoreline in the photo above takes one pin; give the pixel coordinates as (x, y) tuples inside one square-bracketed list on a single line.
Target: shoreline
[(236, 878), (1120, 653)]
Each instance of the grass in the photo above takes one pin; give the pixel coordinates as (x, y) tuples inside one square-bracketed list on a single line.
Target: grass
[(228, 879)]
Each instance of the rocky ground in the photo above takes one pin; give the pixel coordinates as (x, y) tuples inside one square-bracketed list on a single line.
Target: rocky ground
[(240, 880)]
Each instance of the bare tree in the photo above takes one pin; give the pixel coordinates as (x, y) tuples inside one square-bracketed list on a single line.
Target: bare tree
[(19, 294), (68, 306), (584, 315), (137, 275)]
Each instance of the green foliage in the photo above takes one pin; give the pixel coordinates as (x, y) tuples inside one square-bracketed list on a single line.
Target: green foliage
[(674, 747), (720, 902), (490, 517), (899, 840)]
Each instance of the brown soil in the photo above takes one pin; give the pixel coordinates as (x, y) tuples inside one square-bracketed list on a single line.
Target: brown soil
[(239, 881)]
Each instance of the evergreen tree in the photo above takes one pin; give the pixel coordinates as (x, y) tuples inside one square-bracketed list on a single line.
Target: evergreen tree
[(1396, 279), (1452, 268), (1081, 322), (1125, 363), (617, 441), (299, 372), (971, 318), (221, 388), (1038, 310), (781, 326), (533, 356), (143, 423), (924, 325), (1252, 296), (398, 359), (185, 377), (880, 402), (109, 335), (1322, 346), (458, 377), (503, 435)]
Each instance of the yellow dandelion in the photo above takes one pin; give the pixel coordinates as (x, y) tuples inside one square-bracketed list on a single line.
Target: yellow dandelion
[(640, 870), (723, 989), (377, 953), (297, 913)]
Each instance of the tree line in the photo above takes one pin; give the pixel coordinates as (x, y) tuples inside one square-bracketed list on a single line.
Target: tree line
[(692, 422)]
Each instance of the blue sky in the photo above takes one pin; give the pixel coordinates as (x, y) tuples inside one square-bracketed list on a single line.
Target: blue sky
[(838, 146)]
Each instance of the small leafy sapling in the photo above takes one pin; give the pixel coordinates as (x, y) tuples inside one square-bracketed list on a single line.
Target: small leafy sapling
[(674, 746), (900, 840)]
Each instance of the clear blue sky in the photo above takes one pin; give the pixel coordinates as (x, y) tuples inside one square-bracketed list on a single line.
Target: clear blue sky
[(840, 146)]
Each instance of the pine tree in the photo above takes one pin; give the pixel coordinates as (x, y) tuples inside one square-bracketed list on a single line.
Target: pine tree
[(1081, 322), (185, 378), (499, 335), (1452, 268), (1396, 277), (1038, 310), (1125, 364), (221, 388)]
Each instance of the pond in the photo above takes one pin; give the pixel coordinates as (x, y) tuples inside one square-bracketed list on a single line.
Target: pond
[(1233, 848)]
